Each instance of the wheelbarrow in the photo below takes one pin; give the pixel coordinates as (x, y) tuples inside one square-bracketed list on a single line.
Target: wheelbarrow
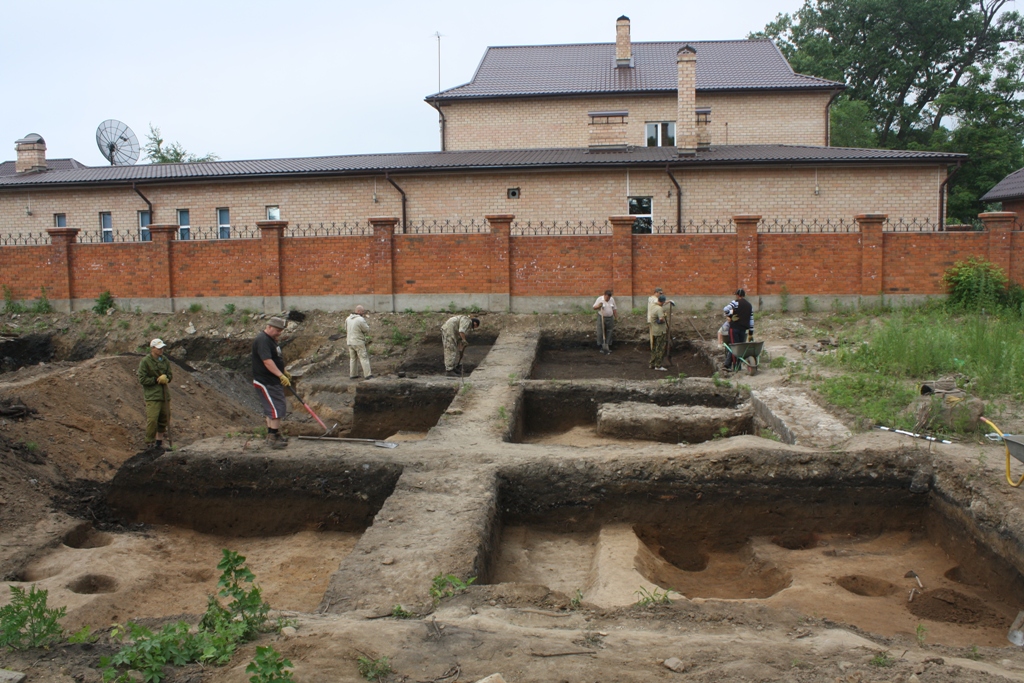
[(748, 353), (1014, 447)]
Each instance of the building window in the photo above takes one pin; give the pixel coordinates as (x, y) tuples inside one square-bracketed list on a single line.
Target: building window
[(224, 224), (106, 226), (184, 225), (144, 221), (273, 213), (642, 208), (661, 134), (60, 220), (704, 116)]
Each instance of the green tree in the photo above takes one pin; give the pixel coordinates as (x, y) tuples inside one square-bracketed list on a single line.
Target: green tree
[(173, 153), (941, 75)]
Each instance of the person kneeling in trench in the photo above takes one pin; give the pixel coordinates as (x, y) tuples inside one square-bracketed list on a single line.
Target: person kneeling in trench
[(154, 375), (269, 379), (455, 341)]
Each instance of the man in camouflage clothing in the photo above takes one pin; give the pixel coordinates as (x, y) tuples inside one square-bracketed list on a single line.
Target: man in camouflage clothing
[(454, 340), (154, 375)]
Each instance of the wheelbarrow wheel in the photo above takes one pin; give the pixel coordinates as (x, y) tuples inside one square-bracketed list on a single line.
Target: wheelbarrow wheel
[(751, 365)]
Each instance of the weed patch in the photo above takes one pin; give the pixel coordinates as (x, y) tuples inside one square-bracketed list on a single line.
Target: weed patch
[(27, 621)]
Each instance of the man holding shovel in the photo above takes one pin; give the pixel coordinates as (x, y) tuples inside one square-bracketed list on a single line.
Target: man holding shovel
[(606, 313), (455, 341), (269, 379), (357, 329), (154, 375)]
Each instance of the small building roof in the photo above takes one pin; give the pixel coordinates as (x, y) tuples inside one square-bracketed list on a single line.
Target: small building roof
[(7, 167), (1010, 187), (589, 69), (565, 159)]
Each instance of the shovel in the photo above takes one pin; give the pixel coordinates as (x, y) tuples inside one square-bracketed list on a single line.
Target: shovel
[(378, 444), (310, 411), (604, 335)]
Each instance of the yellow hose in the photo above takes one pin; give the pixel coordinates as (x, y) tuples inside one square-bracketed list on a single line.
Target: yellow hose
[(1009, 479)]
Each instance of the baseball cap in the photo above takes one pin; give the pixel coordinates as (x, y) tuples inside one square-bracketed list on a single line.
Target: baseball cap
[(277, 322), (157, 344)]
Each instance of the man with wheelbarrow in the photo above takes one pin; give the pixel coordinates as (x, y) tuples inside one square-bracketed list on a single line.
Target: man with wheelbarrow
[(269, 379), (741, 325)]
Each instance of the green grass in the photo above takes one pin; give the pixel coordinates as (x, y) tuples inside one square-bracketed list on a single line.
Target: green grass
[(877, 397)]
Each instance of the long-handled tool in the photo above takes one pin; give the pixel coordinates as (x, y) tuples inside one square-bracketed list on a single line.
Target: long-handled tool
[(668, 331), (696, 330), (310, 411), (378, 444), (604, 334), (167, 430)]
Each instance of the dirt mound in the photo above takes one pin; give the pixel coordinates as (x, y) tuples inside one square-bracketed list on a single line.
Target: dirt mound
[(954, 607)]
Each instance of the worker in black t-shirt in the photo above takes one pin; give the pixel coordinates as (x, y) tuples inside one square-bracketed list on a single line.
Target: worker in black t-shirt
[(269, 379), (741, 324)]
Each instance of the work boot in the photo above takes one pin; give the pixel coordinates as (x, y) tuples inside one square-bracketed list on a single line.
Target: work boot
[(275, 442)]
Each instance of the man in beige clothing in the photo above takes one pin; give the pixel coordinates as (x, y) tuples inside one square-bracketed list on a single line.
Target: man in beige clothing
[(357, 330)]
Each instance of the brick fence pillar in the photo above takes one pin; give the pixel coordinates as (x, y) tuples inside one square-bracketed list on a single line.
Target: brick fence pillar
[(500, 294), (271, 233), (622, 258), (871, 252), (163, 265), (62, 287), (999, 225), (746, 252), (383, 263)]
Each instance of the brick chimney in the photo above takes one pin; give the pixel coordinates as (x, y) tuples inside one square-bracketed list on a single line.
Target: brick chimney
[(686, 114), (31, 154), (623, 48)]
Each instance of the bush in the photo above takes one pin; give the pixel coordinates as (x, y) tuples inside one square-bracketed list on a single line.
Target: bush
[(10, 304), (268, 666), (104, 302), (27, 621), (976, 285), (42, 304)]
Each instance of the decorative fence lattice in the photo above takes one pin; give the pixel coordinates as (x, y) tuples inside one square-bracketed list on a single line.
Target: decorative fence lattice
[(910, 225), (24, 239), (329, 229), (809, 226), (691, 226), (457, 226), (560, 228)]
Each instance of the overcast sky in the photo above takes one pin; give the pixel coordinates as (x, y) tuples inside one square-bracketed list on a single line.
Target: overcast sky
[(260, 79)]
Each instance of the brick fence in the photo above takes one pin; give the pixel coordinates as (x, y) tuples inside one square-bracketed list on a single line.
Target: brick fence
[(499, 271)]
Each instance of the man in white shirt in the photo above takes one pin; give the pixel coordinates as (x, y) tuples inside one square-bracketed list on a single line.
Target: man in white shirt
[(606, 313), (357, 330)]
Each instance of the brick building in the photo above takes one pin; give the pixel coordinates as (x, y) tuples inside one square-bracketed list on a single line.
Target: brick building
[(555, 141)]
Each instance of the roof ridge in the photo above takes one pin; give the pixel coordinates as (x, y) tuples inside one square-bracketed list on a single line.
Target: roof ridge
[(635, 42)]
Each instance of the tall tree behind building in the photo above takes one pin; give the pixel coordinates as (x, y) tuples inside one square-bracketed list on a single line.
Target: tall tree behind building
[(943, 75), (174, 153)]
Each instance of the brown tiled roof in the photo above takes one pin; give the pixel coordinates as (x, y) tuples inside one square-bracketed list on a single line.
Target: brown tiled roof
[(486, 160), (1010, 187), (7, 167), (539, 70)]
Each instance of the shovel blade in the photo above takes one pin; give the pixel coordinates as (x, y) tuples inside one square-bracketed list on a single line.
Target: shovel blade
[(385, 444)]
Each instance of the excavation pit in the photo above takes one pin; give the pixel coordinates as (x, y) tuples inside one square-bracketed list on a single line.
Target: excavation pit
[(835, 551), (428, 358), (581, 359), (603, 411), (385, 407)]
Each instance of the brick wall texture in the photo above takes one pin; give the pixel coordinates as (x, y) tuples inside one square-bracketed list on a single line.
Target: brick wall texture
[(868, 262), (785, 118)]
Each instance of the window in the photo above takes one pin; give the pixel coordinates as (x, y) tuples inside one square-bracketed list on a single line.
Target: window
[(106, 226), (641, 207), (184, 226), (273, 213), (704, 116), (144, 221), (60, 220), (224, 223), (661, 134)]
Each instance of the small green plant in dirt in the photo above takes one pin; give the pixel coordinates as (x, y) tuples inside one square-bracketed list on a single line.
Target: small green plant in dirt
[(474, 309), (576, 600), (719, 382), (770, 435), (27, 622), (646, 598), (42, 304), (778, 363), (269, 666), (11, 305), (246, 605), (513, 379), (374, 669), (920, 633), (31, 446), (398, 338), (808, 306), (195, 308), (399, 612), (974, 654), (722, 433), (882, 660), (708, 306), (83, 635), (638, 311), (784, 299), (452, 308), (502, 413), (123, 324), (104, 302), (260, 432), (447, 585), (408, 311), (466, 388), (229, 309), (799, 664)]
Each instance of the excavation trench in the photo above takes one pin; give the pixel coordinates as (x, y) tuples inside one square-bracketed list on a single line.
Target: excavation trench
[(840, 549), (579, 358)]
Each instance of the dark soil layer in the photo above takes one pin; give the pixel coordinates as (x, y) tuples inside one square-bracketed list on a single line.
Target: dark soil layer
[(428, 358), (582, 360), (385, 407), (30, 349)]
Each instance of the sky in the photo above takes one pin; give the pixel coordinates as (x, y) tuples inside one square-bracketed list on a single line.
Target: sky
[(293, 78)]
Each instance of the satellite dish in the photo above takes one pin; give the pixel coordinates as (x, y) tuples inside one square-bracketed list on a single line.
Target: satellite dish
[(117, 143)]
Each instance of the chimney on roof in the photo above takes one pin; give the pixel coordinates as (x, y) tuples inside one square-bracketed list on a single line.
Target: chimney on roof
[(623, 48), (31, 154), (686, 113)]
